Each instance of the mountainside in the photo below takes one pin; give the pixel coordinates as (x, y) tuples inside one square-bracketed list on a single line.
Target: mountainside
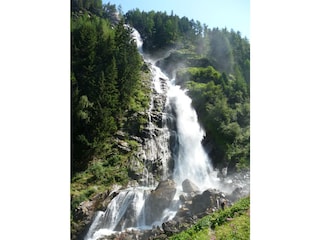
[(215, 66), (117, 111)]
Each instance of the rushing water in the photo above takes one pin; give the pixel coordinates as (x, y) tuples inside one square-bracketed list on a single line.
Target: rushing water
[(191, 161), (182, 143)]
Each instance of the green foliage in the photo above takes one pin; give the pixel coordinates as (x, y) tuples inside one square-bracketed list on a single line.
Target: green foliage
[(217, 74), (227, 50), (218, 222), (110, 90), (106, 85), (129, 63), (99, 175), (200, 235), (160, 30), (94, 6), (239, 229), (199, 74), (223, 108)]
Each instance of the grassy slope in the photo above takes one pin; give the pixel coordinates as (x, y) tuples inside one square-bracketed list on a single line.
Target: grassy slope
[(228, 224)]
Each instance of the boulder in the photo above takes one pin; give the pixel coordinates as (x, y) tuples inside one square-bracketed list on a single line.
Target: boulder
[(170, 227), (159, 199), (182, 198), (188, 186), (201, 202), (236, 194), (183, 213)]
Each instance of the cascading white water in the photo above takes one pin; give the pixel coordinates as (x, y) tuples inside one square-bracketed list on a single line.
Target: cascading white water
[(192, 161), (127, 209), (136, 36), (156, 147)]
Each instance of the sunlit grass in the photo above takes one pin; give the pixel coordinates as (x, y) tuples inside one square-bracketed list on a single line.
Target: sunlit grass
[(232, 223), (238, 228)]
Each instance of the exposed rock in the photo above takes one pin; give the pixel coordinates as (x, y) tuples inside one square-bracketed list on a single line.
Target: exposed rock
[(137, 139), (192, 210), (124, 146), (222, 174), (133, 183), (223, 203), (156, 117), (188, 186), (84, 210), (224, 171), (201, 202), (165, 189), (147, 132), (99, 201), (84, 213), (121, 135), (159, 200), (135, 169), (236, 194), (170, 227), (183, 213), (182, 198)]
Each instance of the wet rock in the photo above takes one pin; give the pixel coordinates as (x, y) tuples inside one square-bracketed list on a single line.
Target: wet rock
[(170, 227), (182, 198), (183, 213), (135, 169), (236, 194), (166, 189), (159, 200), (86, 209), (188, 186), (156, 117), (201, 202), (222, 173), (84, 213)]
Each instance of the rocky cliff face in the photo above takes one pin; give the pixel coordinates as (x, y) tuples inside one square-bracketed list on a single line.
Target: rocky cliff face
[(148, 161), (86, 211), (149, 164)]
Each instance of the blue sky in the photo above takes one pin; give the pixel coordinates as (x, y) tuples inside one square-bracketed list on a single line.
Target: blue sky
[(233, 14)]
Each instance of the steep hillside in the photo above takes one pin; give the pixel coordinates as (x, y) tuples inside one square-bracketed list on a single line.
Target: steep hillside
[(112, 95)]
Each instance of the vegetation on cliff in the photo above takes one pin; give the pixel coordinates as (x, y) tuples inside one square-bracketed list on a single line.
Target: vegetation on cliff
[(223, 108), (110, 90), (215, 66)]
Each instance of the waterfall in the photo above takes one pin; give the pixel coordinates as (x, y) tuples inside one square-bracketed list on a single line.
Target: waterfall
[(191, 161), (178, 139)]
